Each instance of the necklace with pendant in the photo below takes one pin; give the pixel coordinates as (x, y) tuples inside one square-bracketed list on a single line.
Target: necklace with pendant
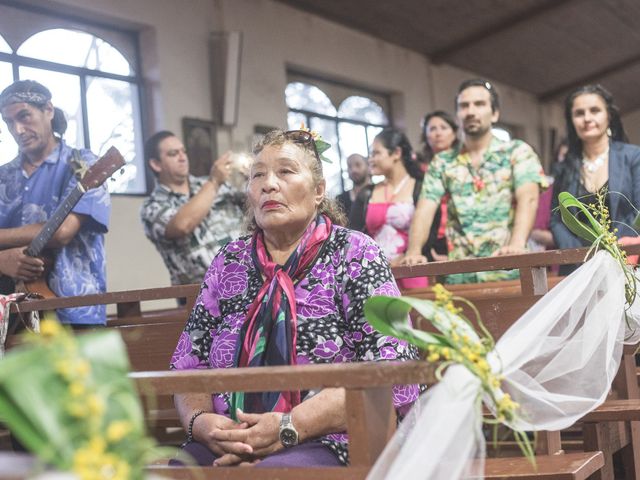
[(476, 179), (594, 166), (478, 183), (396, 190)]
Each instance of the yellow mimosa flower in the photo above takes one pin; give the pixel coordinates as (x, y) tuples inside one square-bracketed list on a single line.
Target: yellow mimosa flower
[(484, 366), (95, 405), (77, 409), (117, 430), (97, 445), (50, 328), (82, 368), (76, 389), (63, 367)]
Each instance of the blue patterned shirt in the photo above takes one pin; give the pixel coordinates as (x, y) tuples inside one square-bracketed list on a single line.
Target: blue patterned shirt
[(79, 267)]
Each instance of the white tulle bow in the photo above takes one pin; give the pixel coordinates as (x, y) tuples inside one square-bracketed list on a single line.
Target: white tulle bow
[(558, 362)]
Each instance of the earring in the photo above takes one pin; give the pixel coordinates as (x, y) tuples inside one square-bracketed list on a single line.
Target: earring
[(609, 132)]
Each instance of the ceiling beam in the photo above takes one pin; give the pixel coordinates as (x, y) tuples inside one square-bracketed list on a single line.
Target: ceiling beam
[(591, 78), (441, 55)]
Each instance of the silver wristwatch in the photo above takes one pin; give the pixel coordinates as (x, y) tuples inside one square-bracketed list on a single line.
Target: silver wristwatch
[(288, 433)]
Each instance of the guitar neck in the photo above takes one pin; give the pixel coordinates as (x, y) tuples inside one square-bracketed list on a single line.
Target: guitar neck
[(49, 229)]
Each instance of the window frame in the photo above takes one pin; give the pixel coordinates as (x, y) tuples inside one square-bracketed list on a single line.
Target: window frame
[(379, 98), (337, 121)]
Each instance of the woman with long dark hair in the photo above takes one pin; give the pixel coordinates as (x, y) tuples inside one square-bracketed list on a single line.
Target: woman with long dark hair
[(599, 159), (439, 133), (385, 210)]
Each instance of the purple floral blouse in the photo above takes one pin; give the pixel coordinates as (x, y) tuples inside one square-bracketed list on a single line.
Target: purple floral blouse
[(331, 325)]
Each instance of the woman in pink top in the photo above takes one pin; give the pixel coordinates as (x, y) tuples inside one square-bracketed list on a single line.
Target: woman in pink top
[(387, 207)]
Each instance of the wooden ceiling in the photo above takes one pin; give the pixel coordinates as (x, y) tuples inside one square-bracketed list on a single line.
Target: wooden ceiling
[(545, 47)]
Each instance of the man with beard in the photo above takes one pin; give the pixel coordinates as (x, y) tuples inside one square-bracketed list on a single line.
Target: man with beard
[(493, 189), (358, 170), (31, 188)]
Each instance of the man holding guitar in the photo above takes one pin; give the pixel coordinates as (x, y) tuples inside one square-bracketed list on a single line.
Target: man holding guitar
[(33, 186)]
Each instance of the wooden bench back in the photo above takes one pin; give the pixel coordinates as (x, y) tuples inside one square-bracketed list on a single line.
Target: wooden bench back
[(368, 392), (152, 336)]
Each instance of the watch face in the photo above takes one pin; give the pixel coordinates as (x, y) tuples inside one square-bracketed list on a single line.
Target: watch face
[(288, 437)]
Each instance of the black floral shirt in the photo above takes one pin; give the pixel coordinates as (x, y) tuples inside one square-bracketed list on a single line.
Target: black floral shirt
[(188, 258)]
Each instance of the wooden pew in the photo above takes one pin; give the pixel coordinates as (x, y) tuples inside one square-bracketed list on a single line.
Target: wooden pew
[(533, 283), (368, 406), (150, 338), (601, 434)]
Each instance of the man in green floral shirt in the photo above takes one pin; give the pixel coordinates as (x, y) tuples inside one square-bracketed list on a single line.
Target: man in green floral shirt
[(492, 188)]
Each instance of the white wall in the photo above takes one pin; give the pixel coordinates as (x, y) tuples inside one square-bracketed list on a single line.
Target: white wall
[(275, 36)]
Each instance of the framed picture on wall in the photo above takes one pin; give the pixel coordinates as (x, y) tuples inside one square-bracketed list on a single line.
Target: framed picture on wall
[(200, 142)]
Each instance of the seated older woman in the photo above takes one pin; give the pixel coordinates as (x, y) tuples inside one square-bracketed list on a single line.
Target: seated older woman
[(291, 293)]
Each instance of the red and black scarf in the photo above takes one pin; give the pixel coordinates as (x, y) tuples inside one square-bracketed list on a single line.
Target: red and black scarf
[(268, 334)]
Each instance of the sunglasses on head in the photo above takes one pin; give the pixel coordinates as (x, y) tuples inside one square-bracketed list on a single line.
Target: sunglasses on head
[(302, 137)]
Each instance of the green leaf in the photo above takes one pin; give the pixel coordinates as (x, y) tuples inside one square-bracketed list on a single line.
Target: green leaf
[(22, 426), (389, 315), (104, 350), (636, 222), (33, 396), (32, 385), (321, 147), (591, 232)]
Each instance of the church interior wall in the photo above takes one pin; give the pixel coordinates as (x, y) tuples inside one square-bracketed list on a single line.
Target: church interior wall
[(275, 39)]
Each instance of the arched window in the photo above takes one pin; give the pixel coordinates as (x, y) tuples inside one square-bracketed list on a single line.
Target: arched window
[(88, 51), (350, 128), (302, 96), (362, 109), (94, 84)]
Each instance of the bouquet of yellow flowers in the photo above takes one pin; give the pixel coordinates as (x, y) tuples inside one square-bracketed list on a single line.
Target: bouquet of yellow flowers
[(68, 400), (598, 230), (457, 343)]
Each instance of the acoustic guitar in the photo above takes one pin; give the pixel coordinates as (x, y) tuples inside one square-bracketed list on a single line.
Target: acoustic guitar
[(94, 177)]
